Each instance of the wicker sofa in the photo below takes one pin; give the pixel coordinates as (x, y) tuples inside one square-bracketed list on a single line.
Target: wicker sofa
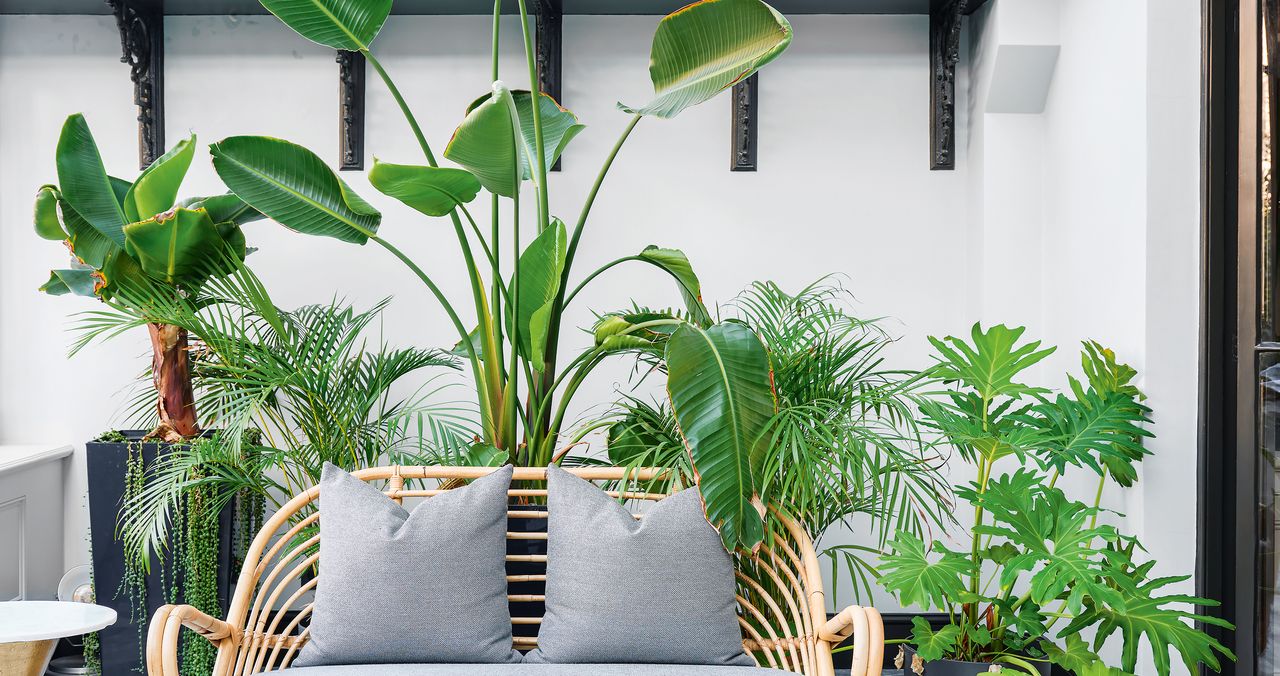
[(782, 609)]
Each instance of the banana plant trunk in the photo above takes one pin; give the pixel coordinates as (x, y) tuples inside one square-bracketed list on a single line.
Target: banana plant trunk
[(171, 371)]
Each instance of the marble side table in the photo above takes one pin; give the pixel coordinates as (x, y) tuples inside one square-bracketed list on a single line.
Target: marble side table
[(29, 631)]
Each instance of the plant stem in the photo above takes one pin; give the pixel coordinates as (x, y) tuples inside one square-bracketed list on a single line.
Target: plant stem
[(553, 328), (535, 101), (569, 298), (404, 107), (595, 190), (492, 386), (486, 422)]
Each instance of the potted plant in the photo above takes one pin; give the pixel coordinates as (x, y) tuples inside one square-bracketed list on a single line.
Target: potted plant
[(1040, 567), (131, 241)]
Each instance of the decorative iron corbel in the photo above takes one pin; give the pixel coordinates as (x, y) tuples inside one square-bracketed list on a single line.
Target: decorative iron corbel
[(746, 113), (945, 21), (549, 27), (351, 69), (141, 24)]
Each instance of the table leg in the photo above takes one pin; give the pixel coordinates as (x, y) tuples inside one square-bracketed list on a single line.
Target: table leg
[(26, 658)]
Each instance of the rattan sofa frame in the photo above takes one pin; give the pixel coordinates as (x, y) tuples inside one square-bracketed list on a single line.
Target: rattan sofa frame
[(782, 607)]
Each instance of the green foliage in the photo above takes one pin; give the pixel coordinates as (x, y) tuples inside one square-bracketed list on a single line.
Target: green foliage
[(932, 645), (910, 574), (291, 185), (718, 382), (1037, 555), (489, 144), (541, 268), (842, 444), (311, 379), (434, 191), (340, 24), (706, 48)]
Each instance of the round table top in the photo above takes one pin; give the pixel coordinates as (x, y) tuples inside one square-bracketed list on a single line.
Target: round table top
[(41, 620)]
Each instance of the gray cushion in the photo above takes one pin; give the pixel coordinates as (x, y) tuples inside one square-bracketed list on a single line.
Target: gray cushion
[(622, 590), (406, 587), (531, 670)]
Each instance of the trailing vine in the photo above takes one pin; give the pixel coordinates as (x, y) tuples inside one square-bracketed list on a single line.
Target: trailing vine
[(134, 584), (199, 561), (92, 646)]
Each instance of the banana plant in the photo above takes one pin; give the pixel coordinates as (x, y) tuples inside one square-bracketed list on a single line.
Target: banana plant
[(126, 235), (521, 271)]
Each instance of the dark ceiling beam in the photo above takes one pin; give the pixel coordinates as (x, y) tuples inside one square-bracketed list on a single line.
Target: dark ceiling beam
[(141, 25)]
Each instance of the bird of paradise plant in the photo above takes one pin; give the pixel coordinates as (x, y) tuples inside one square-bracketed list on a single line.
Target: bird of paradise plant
[(720, 374)]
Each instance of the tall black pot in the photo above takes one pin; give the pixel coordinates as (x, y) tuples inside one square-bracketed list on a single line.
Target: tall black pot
[(121, 643), (526, 588)]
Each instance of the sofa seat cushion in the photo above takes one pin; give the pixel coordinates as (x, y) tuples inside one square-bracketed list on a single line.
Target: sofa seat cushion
[(529, 670)]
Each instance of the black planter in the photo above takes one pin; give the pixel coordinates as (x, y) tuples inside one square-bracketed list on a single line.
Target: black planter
[(526, 588), (953, 667), (122, 642)]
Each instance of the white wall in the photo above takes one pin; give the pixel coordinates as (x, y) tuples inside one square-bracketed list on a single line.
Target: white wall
[(1078, 221)]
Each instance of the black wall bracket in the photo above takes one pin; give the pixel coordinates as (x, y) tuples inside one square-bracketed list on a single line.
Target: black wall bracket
[(141, 24), (945, 21), (351, 71), (745, 124), (549, 27)]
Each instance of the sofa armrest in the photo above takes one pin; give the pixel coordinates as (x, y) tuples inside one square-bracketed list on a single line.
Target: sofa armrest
[(167, 624), (866, 627)]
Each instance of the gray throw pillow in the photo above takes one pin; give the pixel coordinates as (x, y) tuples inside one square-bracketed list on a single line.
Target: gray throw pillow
[(657, 590), (401, 587)]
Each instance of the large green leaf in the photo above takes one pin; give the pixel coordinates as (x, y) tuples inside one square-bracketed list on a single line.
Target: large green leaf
[(157, 188), (181, 246), (87, 243), (933, 645), (341, 24), (706, 48), (719, 383), (541, 266), (227, 208), (293, 187), (908, 572), (487, 144), (676, 264), (1095, 429), (434, 191), (48, 224), (1143, 613), (79, 281), (1054, 534), (559, 126), (84, 182), (991, 362)]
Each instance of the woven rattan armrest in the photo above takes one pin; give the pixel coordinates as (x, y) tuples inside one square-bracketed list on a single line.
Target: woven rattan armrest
[(167, 624)]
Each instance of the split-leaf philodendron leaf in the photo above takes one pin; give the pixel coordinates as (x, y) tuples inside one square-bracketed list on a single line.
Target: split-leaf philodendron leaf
[(706, 48), (294, 187), (720, 386)]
